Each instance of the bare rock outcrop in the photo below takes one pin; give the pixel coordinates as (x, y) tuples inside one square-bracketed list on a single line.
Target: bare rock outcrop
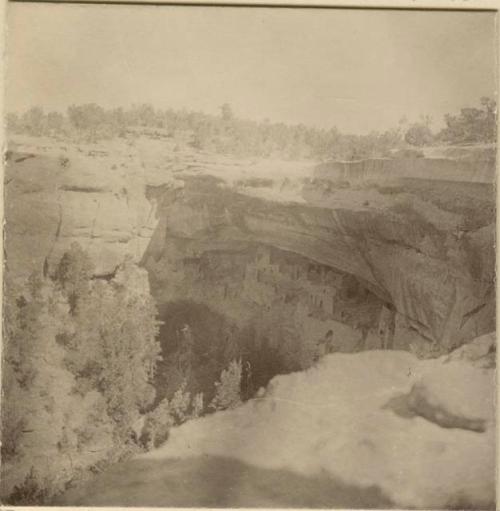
[(421, 240), (409, 247), (337, 424), (48, 207)]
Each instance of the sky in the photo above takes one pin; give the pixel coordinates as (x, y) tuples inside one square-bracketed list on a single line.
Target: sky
[(358, 70)]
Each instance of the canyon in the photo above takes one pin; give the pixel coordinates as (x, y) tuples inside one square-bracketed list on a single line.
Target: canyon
[(387, 253), (360, 297)]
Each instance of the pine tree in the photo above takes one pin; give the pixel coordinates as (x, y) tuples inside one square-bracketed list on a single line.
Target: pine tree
[(228, 389)]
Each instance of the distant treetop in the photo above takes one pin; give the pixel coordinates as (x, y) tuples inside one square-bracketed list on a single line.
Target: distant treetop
[(228, 134)]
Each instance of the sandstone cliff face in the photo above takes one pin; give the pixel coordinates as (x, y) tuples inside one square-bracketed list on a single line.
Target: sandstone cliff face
[(296, 259), (421, 249), (52, 200), (413, 252), (383, 169)]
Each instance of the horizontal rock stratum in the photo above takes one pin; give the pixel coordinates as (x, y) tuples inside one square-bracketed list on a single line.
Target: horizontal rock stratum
[(425, 248), (423, 241), (409, 245)]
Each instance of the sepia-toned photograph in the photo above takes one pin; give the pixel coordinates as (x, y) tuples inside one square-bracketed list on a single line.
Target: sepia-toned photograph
[(249, 257)]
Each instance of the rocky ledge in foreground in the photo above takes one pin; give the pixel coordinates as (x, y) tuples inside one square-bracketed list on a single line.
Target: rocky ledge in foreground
[(373, 429)]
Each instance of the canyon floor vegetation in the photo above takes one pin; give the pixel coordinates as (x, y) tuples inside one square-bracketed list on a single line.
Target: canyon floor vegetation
[(165, 266)]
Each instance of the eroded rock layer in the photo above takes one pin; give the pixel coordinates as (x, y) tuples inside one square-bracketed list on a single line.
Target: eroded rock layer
[(415, 248), (409, 257)]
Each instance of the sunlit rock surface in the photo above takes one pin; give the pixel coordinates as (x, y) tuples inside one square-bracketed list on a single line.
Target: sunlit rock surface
[(416, 233), (413, 245), (345, 433), (382, 254)]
